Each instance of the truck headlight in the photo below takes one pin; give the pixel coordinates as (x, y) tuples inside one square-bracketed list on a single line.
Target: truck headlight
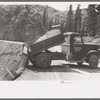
[(25, 50)]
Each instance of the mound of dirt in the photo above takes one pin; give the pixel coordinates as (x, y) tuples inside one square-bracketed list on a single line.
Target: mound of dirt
[(92, 40), (12, 58), (48, 35), (87, 39), (95, 41)]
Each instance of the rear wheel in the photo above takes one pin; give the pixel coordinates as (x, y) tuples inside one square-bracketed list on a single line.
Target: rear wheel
[(43, 60), (93, 61)]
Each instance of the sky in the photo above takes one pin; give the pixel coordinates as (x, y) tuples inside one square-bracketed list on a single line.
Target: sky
[(62, 6)]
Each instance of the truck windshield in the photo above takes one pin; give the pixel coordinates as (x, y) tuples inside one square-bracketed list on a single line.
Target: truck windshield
[(78, 39)]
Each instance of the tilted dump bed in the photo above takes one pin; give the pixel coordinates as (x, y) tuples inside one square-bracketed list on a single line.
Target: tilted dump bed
[(48, 40)]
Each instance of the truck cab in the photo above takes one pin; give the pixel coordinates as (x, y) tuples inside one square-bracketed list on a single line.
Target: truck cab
[(78, 51), (73, 46)]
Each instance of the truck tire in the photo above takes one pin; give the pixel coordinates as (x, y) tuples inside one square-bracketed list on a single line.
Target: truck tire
[(43, 60), (93, 61)]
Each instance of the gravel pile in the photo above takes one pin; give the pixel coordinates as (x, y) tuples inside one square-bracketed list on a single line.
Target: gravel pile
[(95, 41), (11, 56), (48, 35), (92, 40)]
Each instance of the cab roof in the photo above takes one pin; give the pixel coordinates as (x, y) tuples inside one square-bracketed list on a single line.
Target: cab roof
[(70, 33)]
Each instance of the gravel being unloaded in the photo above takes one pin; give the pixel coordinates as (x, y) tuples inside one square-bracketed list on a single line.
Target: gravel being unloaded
[(48, 35)]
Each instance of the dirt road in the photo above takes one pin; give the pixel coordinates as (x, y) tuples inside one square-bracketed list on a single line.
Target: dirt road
[(60, 70)]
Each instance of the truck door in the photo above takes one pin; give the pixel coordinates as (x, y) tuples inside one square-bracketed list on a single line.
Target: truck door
[(77, 47)]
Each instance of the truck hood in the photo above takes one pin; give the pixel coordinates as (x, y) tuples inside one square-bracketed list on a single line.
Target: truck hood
[(89, 43), (89, 46)]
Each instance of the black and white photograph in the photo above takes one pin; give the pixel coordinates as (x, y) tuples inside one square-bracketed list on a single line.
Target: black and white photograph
[(50, 41), (43, 41)]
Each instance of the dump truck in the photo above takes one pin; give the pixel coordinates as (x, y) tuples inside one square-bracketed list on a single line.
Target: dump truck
[(73, 49)]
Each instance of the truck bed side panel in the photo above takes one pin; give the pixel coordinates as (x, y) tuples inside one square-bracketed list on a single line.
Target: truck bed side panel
[(48, 43)]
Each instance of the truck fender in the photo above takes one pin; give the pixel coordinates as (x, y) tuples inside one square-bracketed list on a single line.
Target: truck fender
[(92, 52)]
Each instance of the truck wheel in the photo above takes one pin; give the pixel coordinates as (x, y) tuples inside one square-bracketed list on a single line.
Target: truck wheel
[(93, 61), (43, 60), (79, 63)]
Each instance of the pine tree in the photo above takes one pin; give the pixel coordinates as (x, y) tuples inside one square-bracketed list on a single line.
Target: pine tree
[(27, 8), (77, 20), (91, 20), (62, 27), (50, 24), (57, 19), (84, 26), (45, 18), (68, 26)]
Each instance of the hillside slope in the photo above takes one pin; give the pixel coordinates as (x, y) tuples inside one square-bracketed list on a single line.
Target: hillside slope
[(25, 22)]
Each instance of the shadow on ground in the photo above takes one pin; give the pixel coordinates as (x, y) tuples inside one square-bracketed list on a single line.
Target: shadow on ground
[(84, 67), (69, 68), (55, 68)]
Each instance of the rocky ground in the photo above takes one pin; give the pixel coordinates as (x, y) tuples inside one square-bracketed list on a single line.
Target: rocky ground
[(11, 56)]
